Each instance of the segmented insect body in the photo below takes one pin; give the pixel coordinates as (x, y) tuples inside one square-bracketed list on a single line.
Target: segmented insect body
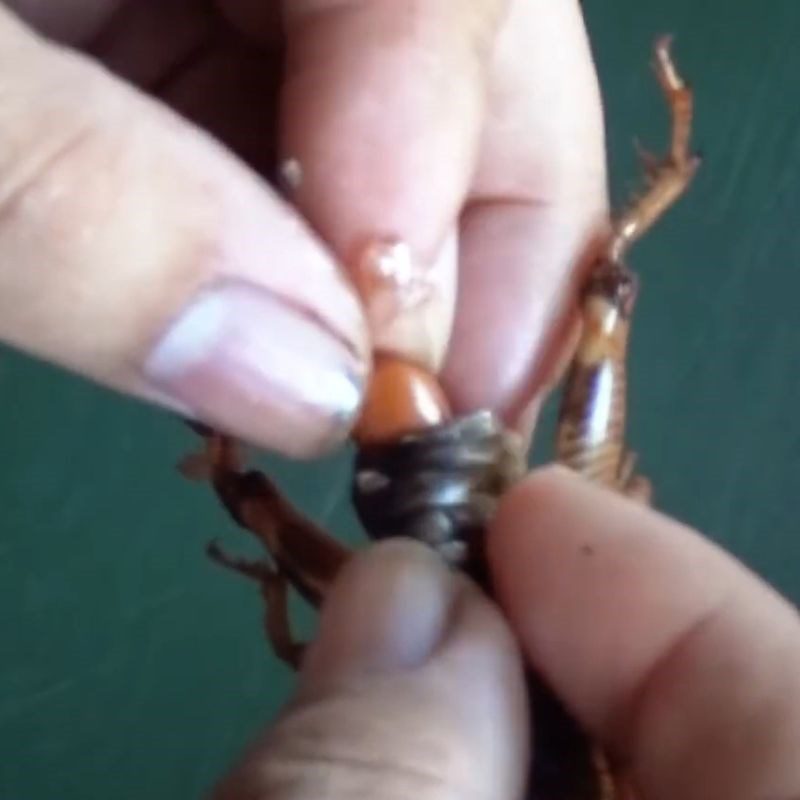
[(420, 473), (590, 437), (438, 485), (591, 431)]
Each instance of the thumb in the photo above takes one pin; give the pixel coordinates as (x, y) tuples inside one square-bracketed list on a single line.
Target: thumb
[(414, 688), (676, 657), (137, 252)]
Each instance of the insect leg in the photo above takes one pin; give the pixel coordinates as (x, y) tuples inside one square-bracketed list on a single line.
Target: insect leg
[(679, 99), (632, 484), (220, 455), (275, 591), (301, 554), (669, 177)]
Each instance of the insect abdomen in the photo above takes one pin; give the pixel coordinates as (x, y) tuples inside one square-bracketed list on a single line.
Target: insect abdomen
[(592, 419)]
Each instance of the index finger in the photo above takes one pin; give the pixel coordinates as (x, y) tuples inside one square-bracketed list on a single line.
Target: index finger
[(537, 204), (383, 110), (669, 651)]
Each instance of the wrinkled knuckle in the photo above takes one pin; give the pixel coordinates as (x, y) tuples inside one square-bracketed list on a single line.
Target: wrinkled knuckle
[(40, 222), (343, 746), (34, 185), (101, 201), (52, 133)]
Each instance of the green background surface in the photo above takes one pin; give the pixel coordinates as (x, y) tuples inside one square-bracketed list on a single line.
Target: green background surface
[(132, 668)]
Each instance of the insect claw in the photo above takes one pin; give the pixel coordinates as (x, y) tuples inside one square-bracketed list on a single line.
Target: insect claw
[(664, 185), (257, 571), (664, 65)]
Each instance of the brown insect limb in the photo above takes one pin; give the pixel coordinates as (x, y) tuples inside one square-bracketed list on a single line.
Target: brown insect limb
[(669, 178), (303, 555), (591, 430), (274, 588), (650, 162)]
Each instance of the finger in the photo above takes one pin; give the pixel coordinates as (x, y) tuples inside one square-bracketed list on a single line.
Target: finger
[(183, 52), (135, 251), (537, 203), (414, 688), (383, 111), (665, 647)]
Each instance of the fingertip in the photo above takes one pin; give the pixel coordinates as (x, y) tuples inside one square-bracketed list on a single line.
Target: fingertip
[(659, 642), (587, 576), (523, 509), (413, 689), (388, 611), (400, 619), (396, 607)]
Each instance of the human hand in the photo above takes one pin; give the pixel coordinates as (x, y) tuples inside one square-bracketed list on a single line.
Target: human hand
[(138, 252), (682, 663)]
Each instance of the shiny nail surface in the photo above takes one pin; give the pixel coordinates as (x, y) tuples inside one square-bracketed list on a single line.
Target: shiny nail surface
[(408, 301), (244, 360)]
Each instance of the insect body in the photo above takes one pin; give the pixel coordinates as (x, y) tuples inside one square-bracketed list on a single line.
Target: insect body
[(420, 473), (591, 431)]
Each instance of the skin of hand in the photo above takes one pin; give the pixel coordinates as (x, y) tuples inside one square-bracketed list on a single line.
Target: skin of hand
[(142, 246), (675, 657)]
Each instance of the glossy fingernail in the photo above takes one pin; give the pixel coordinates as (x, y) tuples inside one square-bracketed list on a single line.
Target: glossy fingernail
[(388, 611), (409, 301), (244, 360)]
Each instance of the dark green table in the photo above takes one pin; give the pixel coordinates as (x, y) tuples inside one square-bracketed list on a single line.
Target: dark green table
[(133, 668)]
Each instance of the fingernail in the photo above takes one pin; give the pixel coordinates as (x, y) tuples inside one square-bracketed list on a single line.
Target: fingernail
[(387, 612), (409, 301), (243, 360)]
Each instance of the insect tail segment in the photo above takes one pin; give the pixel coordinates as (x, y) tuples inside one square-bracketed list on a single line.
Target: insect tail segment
[(439, 485)]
